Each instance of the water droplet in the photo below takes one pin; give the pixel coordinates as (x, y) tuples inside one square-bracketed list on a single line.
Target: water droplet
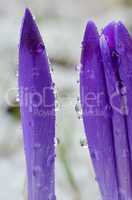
[(35, 72), (52, 197), (123, 90), (96, 179), (122, 193), (57, 106), (30, 123), (50, 160), (38, 185), (78, 81), (80, 117), (125, 153), (83, 143), (116, 56), (110, 150), (37, 146), (17, 74), (118, 86), (57, 142), (117, 132), (78, 67), (121, 47), (94, 155), (40, 48), (34, 18), (44, 189), (53, 85), (36, 170), (52, 70), (17, 98), (78, 110)]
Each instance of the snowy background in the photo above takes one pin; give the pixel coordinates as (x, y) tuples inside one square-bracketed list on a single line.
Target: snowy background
[(62, 25)]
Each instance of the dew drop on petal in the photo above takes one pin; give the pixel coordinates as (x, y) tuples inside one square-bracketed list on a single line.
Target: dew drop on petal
[(17, 74), (37, 146), (17, 98), (50, 160), (52, 70), (78, 110), (93, 155), (36, 170), (53, 85), (35, 72), (40, 48), (38, 185), (123, 90), (78, 67), (56, 141), (83, 143), (57, 106), (44, 189), (52, 197)]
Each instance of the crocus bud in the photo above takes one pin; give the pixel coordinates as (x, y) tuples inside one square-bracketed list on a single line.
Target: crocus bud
[(105, 93)]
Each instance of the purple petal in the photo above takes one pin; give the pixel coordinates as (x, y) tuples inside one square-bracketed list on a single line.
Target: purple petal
[(97, 114), (37, 105), (109, 34), (124, 49), (116, 91)]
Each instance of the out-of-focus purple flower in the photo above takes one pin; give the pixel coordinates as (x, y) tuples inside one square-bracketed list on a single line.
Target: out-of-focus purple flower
[(37, 106), (105, 92)]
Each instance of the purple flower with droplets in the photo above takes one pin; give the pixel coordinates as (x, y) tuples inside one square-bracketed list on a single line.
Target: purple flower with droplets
[(37, 107), (105, 92)]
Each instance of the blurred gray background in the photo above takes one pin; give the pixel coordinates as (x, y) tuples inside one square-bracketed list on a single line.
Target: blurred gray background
[(61, 23)]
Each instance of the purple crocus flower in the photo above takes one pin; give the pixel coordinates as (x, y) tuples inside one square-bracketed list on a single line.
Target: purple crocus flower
[(37, 106), (105, 91)]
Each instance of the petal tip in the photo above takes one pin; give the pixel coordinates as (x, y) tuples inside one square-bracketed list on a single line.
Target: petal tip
[(30, 35), (123, 38), (27, 16), (121, 27), (109, 32), (27, 12), (90, 31)]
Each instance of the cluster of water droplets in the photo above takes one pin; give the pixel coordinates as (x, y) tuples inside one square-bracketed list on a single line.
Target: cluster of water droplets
[(37, 172)]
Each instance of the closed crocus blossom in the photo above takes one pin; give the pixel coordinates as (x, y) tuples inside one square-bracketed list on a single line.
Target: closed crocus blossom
[(105, 93), (97, 114), (37, 103), (117, 94)]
